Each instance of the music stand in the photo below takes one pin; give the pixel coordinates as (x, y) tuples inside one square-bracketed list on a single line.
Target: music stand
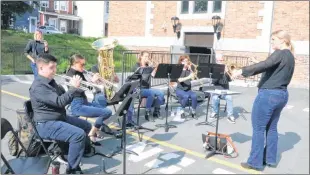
[(170, 71), (211, 71), (122, 111)]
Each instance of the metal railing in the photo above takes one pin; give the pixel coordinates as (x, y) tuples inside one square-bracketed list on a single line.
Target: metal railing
[(15, 62), (130, 59)]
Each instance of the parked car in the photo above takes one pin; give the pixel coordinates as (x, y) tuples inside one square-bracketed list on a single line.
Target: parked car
[(49, 30)]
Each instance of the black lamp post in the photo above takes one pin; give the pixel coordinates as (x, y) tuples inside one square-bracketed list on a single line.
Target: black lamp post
[(176, 26), (217, 25)]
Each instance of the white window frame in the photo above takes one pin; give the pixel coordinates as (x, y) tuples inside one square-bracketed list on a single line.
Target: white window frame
[(59, 4), (46, 4), (63, 4), (192, 15)]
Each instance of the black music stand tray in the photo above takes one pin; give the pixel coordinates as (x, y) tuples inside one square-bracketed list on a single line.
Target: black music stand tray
[(170, 71), (210, 71), (122, 111)]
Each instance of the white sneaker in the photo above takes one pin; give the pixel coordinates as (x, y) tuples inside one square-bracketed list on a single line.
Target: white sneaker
[(231, 119), (213, 115)]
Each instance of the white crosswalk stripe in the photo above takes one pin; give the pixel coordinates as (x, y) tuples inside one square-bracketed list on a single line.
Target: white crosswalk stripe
[(221, 171), (289, 106)]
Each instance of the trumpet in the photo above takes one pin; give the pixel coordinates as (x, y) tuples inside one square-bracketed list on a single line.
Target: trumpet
[(153, 63), (193, 75), (230, 68), (84, 85), (105, 82)]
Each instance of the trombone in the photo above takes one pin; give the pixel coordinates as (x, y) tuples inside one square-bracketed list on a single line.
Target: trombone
[(85, 86)]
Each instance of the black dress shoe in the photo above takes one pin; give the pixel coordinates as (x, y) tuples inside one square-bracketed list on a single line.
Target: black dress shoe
[(147, 114), (247, 166), (74, 171), (269, 165), (106, 129)]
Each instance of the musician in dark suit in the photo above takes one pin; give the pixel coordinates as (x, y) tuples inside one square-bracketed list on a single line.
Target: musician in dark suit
[(48, 101)]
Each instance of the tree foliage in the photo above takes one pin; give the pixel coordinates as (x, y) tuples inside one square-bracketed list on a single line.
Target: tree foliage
[(10, 9)]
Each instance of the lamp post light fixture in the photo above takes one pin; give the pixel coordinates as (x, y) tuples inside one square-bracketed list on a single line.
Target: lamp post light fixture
[(217, 25), (176, 25)]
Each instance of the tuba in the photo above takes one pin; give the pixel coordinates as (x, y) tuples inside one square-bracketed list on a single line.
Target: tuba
[(106, 66)]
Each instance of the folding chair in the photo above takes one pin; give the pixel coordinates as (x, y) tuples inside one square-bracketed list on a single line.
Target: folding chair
[(22, 165), (174, 99), (36, 136)]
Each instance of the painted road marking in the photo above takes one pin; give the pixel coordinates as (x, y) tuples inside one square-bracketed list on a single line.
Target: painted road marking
[(221, 171), (165, 159), (138, 148), (306, 110), (289, 106), (169, 170), (162, 143)]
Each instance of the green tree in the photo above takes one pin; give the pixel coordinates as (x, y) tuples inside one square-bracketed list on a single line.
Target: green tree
[(10, 9)]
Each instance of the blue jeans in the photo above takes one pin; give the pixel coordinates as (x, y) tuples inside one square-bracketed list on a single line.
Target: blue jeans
[(72, 130), (216, 101), (151, 101), (34, 69), (183, 97), (80, 107), (266, 112)]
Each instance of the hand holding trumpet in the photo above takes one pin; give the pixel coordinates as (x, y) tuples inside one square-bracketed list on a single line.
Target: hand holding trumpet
[(76, 81)]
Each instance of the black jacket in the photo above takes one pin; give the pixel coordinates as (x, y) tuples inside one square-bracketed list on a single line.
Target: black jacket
[(49, 100), (223, 82), (34, 48), (277, 70)]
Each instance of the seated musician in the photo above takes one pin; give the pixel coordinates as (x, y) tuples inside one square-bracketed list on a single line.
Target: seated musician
[(146, 90), (223, 83), (48, 101), (183, 90), (81, 107)]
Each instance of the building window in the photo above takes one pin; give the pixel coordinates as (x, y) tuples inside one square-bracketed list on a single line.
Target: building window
[(63, 5), (201, 6), (56, 5), (184, 7), (44, 4), (200, 9), (107, 6), (217, 6)]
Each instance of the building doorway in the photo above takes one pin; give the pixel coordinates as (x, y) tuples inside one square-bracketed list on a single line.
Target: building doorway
[(201, 59)]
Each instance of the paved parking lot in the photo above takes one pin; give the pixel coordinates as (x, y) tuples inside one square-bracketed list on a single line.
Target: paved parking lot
[(179, 151)]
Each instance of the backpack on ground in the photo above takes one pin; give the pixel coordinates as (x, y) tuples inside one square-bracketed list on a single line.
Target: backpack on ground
[(26, 135), (224, 144)]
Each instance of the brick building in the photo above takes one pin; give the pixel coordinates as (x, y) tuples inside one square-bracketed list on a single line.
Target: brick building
[(246, 27)]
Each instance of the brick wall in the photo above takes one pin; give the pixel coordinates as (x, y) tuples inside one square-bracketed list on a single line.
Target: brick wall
[(127, 18), (163, 11), (241, 19), (292, 16)]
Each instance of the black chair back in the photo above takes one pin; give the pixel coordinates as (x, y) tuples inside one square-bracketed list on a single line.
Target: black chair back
[(28, 110), (5, 127)]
